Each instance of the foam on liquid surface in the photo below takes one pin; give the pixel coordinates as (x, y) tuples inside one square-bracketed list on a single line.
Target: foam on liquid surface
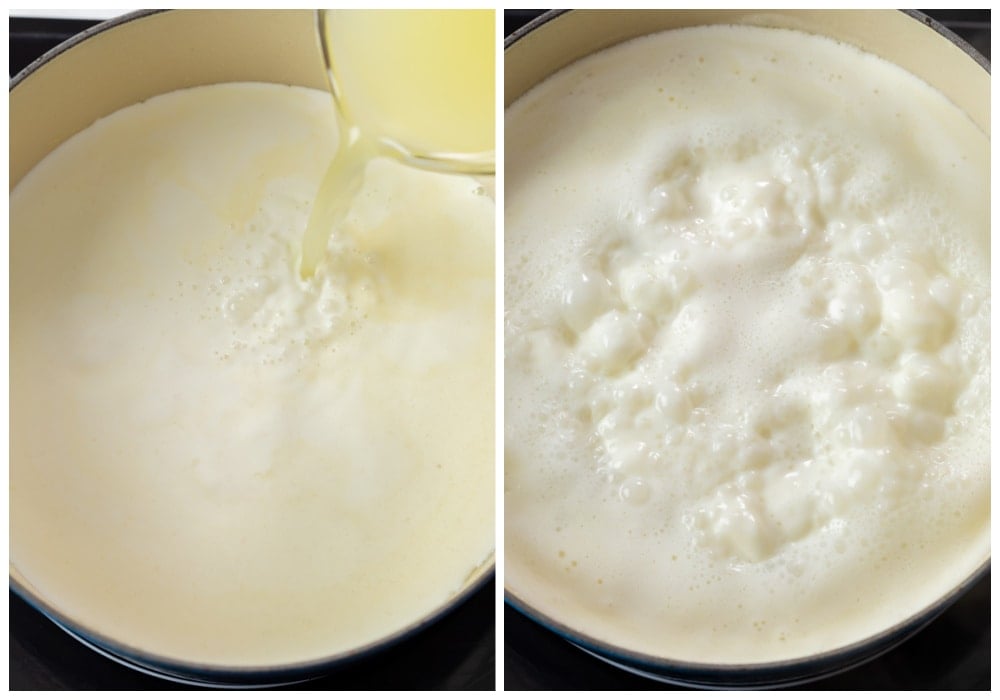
[(747, 313), (213, 459)]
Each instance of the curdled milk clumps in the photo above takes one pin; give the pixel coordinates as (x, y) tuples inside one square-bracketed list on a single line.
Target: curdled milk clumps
[(747, 345)]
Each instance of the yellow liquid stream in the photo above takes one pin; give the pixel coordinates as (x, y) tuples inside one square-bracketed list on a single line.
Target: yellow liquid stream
[(414, 85)]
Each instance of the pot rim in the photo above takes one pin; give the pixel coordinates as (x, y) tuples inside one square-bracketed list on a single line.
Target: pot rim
[(917, 15), (223, 675), (951, 36), (79, 38), (771, 674)]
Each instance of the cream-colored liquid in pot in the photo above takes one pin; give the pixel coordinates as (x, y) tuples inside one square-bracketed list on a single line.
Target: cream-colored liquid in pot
[(212, 459), (747, 345)]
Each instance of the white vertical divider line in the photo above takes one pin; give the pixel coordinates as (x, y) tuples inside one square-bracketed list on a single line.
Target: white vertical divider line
[(994, 353), (498, 352)]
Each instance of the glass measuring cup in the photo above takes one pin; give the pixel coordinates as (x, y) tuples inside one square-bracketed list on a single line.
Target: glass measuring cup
[(413, 85)]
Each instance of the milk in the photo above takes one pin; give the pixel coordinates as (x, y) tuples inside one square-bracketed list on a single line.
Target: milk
[(747, 345), (213, 460)]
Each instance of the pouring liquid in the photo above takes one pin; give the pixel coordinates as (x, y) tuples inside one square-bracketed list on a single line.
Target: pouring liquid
[(413, 85)]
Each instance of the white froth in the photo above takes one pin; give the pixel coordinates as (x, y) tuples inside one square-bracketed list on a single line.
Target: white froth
[(746, 333)]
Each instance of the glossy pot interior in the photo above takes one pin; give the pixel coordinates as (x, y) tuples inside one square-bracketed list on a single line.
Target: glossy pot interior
[(908, 39), (137, 57), (140, 56)]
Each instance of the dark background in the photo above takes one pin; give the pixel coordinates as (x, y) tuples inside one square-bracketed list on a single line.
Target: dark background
[(952, 653)]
